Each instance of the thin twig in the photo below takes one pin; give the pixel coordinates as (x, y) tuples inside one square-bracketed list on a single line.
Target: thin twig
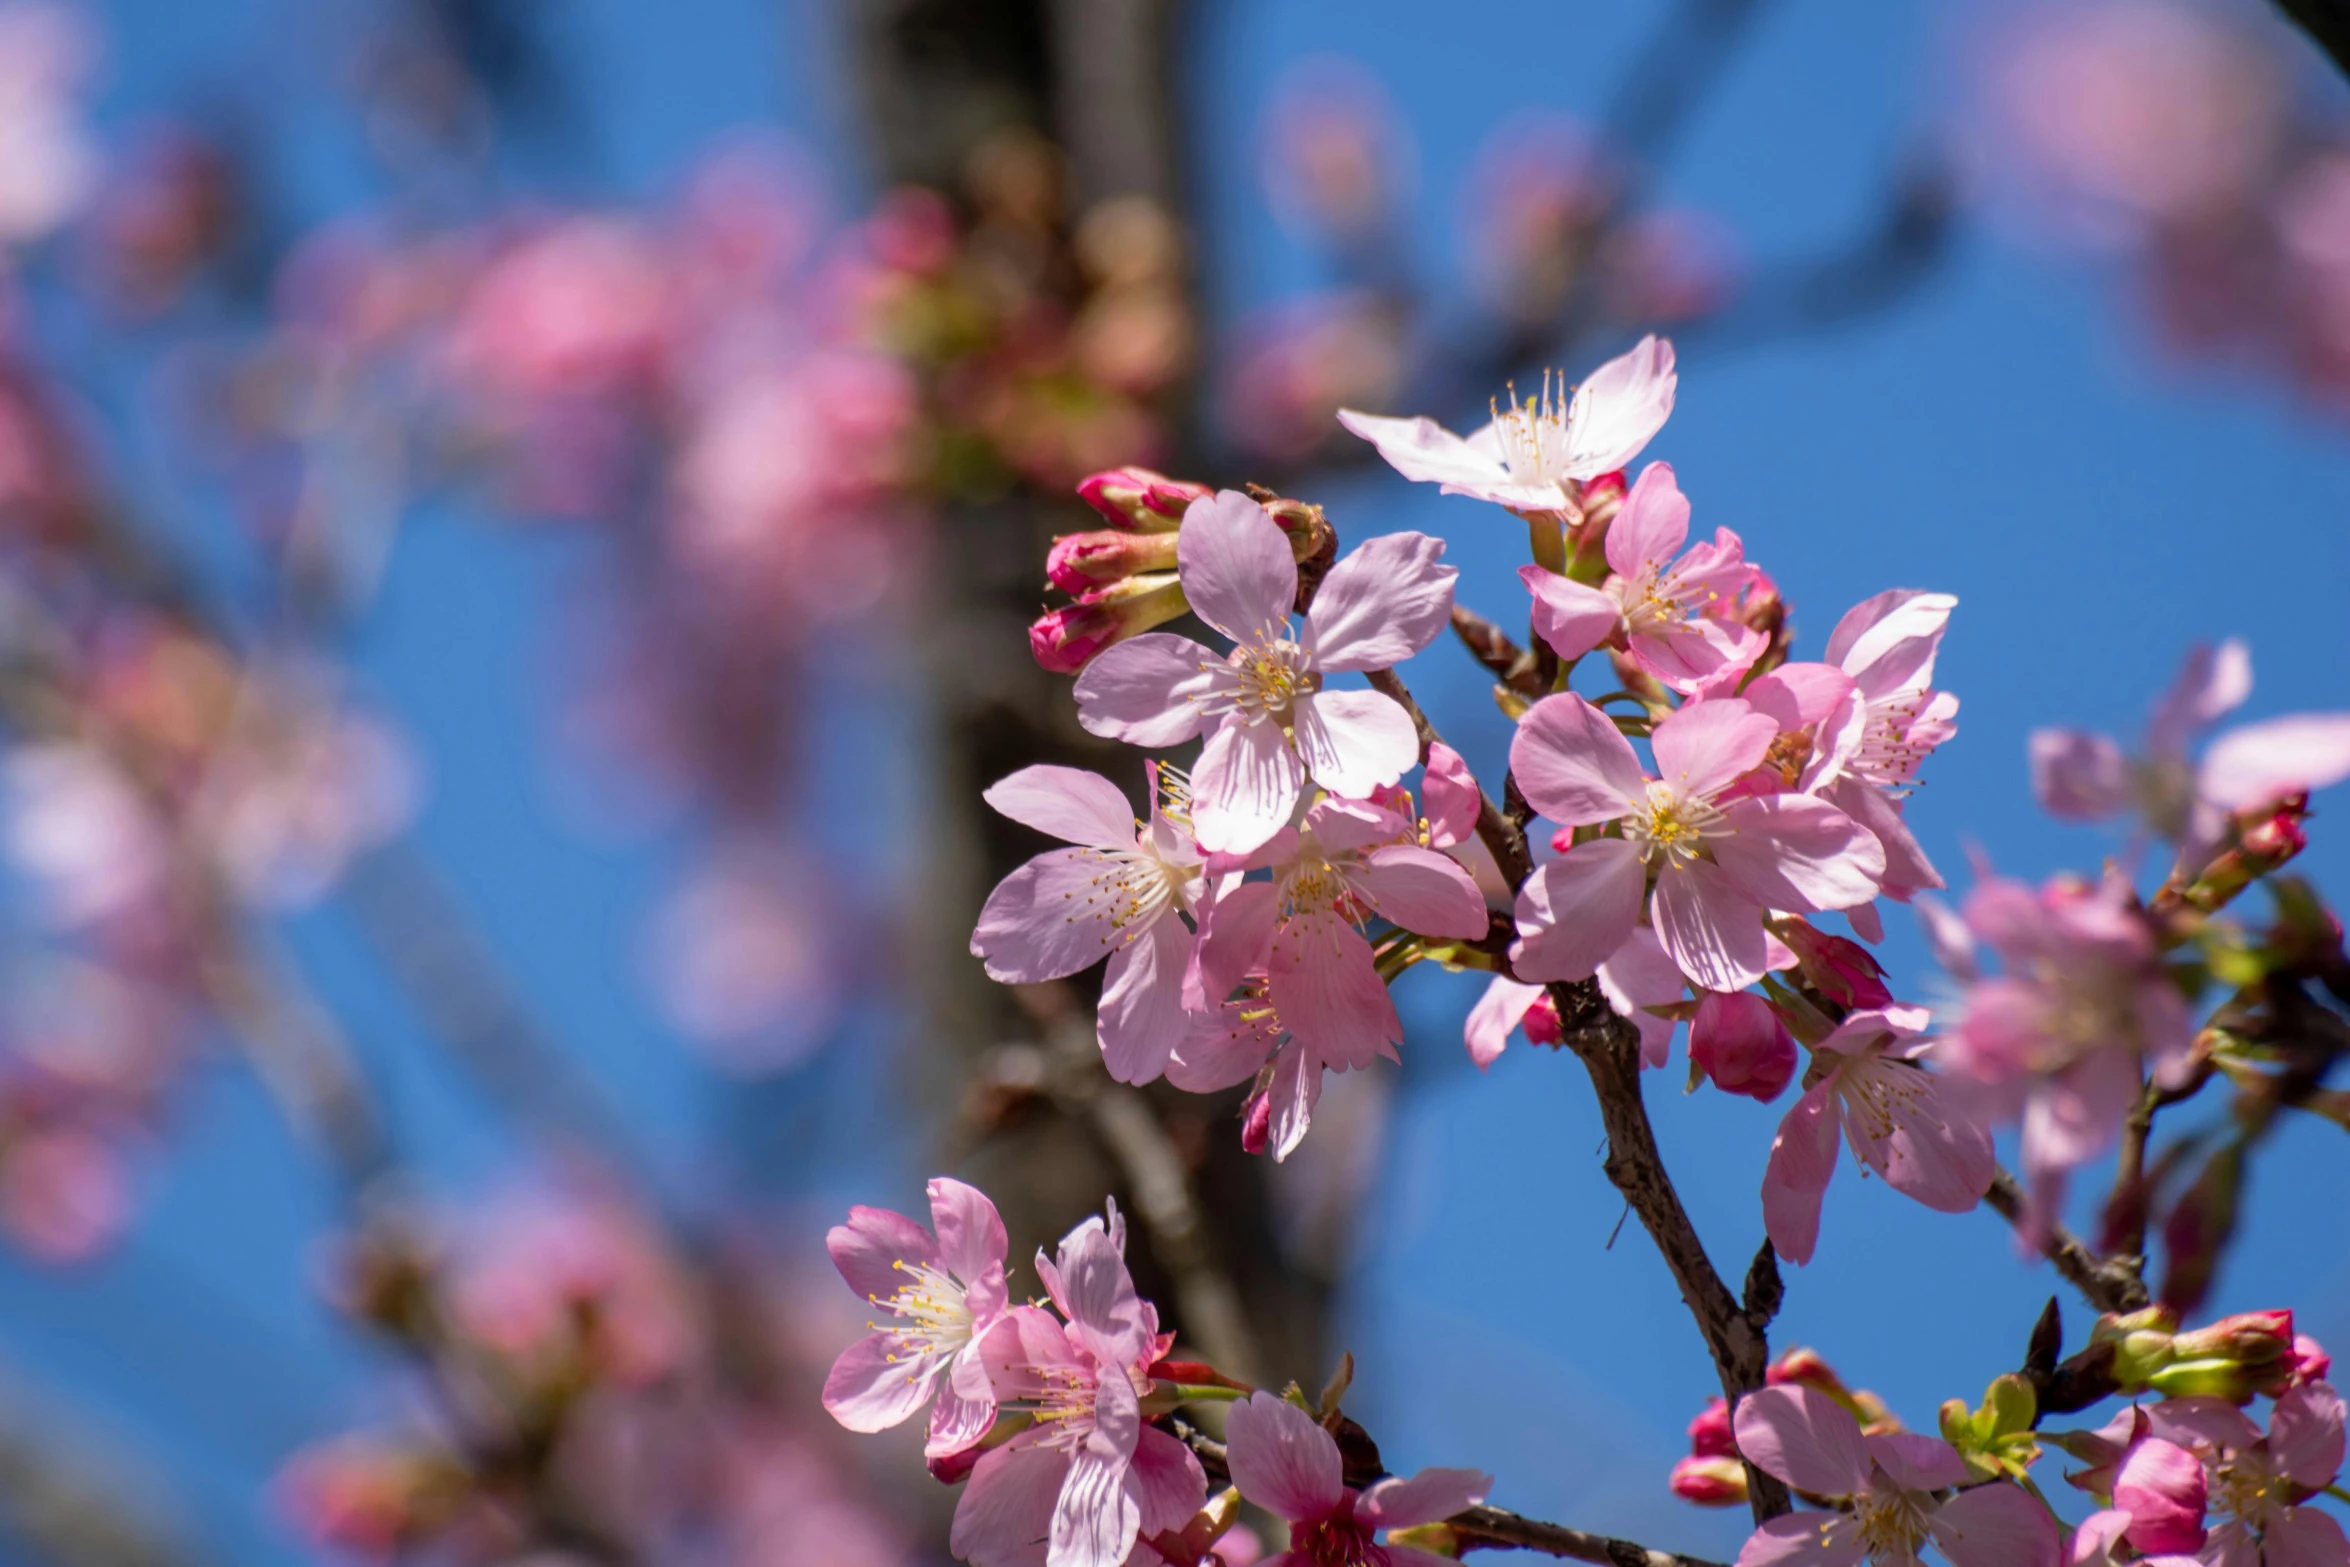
[(2104, 1284)]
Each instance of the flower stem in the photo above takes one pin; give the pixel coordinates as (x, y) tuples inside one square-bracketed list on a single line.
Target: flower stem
[(1548, 539)]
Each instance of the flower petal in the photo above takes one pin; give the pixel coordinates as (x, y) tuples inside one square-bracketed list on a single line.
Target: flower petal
[(971, 1239), (1326, 987), (1422, 891), (1496, 1016), (1916, 1462), (1790, 852), (1238, 573), (1057, 914), (1907, 1125), (1710, 926), (1574, 765), (1575, 912), (1146, 690), (1619, 408), (1007, 1506), (1290, 1098), (1245, 786), (2212, 683), (868, 1249), (2262, 763), (1384, 602), (1351, 741), (1431, 1496), (1638, 975), (873, 1387), (1804, 1540), (1570, 616), (1804, 1437), (1068, 803), (1705, 746), (1887, 643), (1652, 524), (1282, 1459), (1997, 1525), (1223, 1046), (2305, 1434), (2078, 776), (1450, 797), (956, 1422), (1141, 1019), (1235, 933), (2305, 1537), (1423, 450), (2163, 1488), (1166, 1480), (1795, 1182)]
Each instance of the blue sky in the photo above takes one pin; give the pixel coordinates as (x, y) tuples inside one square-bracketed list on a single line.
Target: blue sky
[(2005, 436)]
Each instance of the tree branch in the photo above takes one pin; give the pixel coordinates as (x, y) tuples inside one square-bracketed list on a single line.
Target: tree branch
[(2106, 1285)]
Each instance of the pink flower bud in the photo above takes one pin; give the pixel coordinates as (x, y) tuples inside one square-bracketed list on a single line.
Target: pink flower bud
[(1541, 1023), (1710, 1435), (1064, 639), (1138, 499), (2234, 1358), (2310, 1361), (1080, 562), (2162, 1487), (1710, 1482), (1256, 1124), (1739, 1042), (1843, 970)]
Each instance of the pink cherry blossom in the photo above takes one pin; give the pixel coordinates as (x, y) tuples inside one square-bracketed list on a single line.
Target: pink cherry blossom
[(1088, 1478), (1869, 1083), (1285, 1462), (1348, 862), (1891, 1482), (1638, 980), (1674, 611), (1120, 892), (2257, 1484), (2081, 776), (1269, 720), (1238, 1038), (944, 1289), (1718, 861), (1738, 1042), (2065, 1034), (2161, 1486), (1529, 455)]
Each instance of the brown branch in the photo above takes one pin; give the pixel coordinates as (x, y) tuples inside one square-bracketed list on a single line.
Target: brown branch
[(1491, 1528), (2106, 1284)]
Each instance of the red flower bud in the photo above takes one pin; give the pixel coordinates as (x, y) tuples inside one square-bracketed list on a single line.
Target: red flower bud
[(1710, 1434), (1080, 562), (1138, 499), (1710, 1482), (1841, 969), (1541, 1023), (1064, 639), (1739, 1042)]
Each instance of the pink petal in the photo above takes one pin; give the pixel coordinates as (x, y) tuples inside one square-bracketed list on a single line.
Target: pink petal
[(1166, 1480), (1282, 1459), (1620, 407), (1887, 643), (1569, 616), (1327, 988), (1804, 1540), (1696, 655), (1798, 696), (1710, 926), (1798, 854), (1638, 975), (1652, 524), (1244, 787), (2212, 683), (1342, 824), (1146, 690), (1574, 765), (1055, 915), (1706, 745), (1907, 869), (1235, 934), (1795, 1182), (956, 1422), (2212, 1422), (1384, 602), (1007, 1506), (971, 1239), (1496, 1016), (2262, 763), (1907, 1126), (1096, 1518), (1738, 1041), (1237, 569), (1574, 912), (1353, 742), (868, 1249), (1425, 451), (1142, 1019), (1290, 1098), (1998, 1525), (1915, 1462), (2305, 1537), (2094, 1541), (2078, 776), (1804, 1437), (873, 1387), (1450, 796), (1067, 803), (2305, 1434), (2163, 1488), (1422, 891), (1224, 1046), (1097, 1295), (1431, 1496)]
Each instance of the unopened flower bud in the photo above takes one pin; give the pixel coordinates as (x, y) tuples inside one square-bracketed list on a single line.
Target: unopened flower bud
[(2140, 1340), (2310, 1361), (1256, 1123), (1710, 1482), (1710, 1435), (2234, 1358), (1065, 639), (1080, 562), (1804, 1367), (1138, 499), (1739, 1042), (1839, 968), (1541, 1023)]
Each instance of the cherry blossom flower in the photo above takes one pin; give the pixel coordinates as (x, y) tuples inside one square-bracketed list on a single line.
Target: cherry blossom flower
[(1738, 1042), (1870, 1083), (1120, 892), (1638, 981), (2063, 1036), (1718, 861), (1088, 1478), (2257, 1484), (1531, 452), (1240, 1037), (944, 1290), (1892, 1481), (1348, 861), (1284, 1461), (1270, 722), (2081, 776), (1674, 611)]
